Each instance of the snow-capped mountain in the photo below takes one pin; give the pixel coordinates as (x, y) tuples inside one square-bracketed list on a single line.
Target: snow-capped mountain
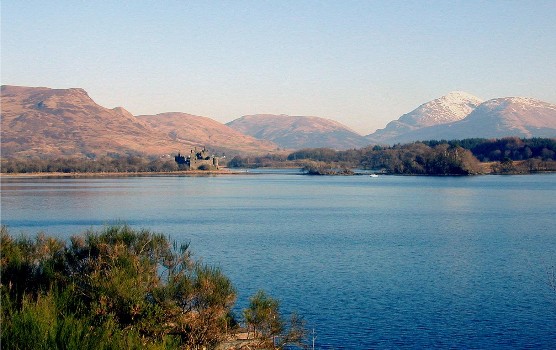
[(446, 109), (496, 118), (520, 116)]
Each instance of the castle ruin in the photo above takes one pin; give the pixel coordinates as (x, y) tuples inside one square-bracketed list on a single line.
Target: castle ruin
[(196, 160)]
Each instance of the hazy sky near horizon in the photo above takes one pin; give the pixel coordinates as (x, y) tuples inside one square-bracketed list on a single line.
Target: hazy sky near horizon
[(362, 63)]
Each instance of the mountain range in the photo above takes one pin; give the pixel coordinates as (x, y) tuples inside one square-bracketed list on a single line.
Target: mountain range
[(45, 122)]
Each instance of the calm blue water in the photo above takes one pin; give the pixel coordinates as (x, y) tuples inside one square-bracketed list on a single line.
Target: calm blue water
[(391, 262)]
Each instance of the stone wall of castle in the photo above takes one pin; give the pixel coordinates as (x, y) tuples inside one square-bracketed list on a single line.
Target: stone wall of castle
[(196, 159)]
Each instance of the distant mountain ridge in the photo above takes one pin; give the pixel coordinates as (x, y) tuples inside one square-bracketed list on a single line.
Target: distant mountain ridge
[(45, 122), (496, 118), (295, 132)]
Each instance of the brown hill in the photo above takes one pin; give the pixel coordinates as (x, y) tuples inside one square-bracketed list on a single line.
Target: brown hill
[(48, 122), (186, 128), (296, 132), (44, 122)]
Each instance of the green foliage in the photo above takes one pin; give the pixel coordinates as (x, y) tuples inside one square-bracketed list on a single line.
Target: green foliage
[(39, 325), (119, 288)]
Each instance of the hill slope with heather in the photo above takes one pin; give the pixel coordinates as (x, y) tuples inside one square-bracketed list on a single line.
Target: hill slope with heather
[(183, 127), (296, 132), (48, 122)]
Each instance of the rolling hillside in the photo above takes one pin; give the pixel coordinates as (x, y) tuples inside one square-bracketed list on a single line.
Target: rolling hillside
[(296, 132), (183, 128), (46, 122)]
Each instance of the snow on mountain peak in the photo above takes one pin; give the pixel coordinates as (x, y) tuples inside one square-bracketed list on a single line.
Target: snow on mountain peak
[(459, 115), (452, 107), (517, 102)]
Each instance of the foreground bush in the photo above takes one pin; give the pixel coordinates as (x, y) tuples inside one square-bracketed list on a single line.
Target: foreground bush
[(111, 290), (115, 289)]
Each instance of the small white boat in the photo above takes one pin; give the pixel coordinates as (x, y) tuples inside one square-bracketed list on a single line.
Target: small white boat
[(373, 175)]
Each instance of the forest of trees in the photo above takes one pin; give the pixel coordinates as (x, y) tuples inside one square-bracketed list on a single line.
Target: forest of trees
[(124, 289)]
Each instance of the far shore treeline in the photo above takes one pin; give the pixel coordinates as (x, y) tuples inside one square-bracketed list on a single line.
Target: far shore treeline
[(511, 155)]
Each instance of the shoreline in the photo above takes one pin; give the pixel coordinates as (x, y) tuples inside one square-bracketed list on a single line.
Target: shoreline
[(226, 171), (126, 174)]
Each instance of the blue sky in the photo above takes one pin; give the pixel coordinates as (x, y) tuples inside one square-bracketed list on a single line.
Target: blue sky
[(362, 63)]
